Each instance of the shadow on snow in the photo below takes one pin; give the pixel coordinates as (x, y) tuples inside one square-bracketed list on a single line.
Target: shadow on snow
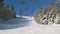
[(14, 23)]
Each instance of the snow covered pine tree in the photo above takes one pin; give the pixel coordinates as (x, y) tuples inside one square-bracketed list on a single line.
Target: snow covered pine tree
[(49, 14)]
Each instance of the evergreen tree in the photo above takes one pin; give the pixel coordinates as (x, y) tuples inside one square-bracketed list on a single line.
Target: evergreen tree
[(21, 12), (13, 12)]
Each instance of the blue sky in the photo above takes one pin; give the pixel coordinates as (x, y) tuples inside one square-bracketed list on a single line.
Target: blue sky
[(31, 5)]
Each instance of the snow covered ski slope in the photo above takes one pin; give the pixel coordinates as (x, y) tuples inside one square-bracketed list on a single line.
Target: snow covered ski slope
[(33, 28)]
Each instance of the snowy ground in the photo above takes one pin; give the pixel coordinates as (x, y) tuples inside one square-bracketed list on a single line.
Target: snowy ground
[(33, 28)]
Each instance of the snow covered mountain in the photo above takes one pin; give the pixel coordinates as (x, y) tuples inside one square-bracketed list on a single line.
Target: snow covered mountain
[(31, 27)]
